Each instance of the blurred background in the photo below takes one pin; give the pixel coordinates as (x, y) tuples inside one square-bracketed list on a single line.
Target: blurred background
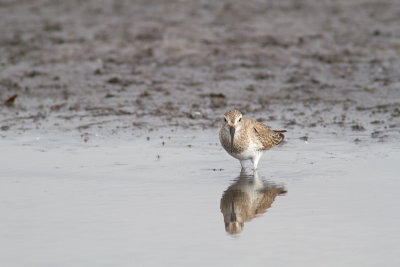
[(117, 67)]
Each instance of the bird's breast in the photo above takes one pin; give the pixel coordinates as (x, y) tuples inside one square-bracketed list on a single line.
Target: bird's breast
[(240, 142)]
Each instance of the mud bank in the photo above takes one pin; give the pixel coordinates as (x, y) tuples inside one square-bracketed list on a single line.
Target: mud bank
[(123, 67)]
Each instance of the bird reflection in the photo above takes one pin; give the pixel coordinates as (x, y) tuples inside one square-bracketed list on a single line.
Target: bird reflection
[(246, 198)]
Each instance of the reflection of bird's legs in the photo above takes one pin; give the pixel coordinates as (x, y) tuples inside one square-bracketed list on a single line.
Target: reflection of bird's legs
[(242, 173), (257, 179), (255, 174)]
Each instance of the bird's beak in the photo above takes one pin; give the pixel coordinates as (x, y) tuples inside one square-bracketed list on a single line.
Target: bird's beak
[(232, 132), (233, 217), (233, 214)]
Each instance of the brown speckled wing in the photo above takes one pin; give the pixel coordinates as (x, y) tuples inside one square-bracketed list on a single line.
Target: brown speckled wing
[(269, 138)]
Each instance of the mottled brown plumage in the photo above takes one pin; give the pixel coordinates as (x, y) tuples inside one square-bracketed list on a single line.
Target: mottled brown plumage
[(246, 139), (268, 138)]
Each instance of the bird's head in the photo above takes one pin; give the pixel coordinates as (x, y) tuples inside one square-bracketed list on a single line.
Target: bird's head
[(234, 228), (233, 221), (232, 123)]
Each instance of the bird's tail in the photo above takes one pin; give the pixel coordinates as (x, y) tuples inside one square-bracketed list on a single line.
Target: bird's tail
[(281, 136)]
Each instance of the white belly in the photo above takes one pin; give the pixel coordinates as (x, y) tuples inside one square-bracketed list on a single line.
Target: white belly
[(251, 152)]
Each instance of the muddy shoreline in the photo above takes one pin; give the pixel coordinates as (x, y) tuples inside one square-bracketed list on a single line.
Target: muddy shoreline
[(123, 67)]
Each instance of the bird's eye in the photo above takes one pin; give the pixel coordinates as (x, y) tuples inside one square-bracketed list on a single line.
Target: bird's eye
[(239, 119), (225, 120)]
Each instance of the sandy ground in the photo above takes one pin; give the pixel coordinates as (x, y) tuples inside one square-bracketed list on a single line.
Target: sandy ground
[(123, 67)]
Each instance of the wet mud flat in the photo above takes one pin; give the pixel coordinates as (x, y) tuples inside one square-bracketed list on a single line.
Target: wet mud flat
[(123, 67)]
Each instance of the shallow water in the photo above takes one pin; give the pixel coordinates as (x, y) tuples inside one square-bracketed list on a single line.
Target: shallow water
[(138, 202)]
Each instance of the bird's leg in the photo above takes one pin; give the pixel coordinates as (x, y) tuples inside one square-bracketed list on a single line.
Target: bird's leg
[(242, 162), (255, 160)]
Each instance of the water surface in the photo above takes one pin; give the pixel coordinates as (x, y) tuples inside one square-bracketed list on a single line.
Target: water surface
[(141, 202)]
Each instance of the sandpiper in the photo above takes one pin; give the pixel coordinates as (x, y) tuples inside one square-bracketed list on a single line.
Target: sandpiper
[(247, 139)]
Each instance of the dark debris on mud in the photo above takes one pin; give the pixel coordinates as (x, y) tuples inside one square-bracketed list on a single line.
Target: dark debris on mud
[(129, 65)]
